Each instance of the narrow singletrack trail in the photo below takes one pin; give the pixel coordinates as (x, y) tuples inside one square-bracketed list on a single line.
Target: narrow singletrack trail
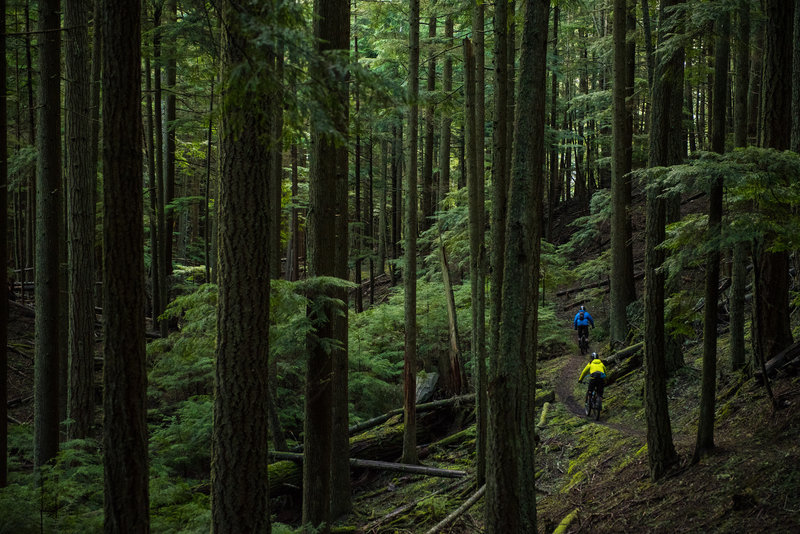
[(564, 388)]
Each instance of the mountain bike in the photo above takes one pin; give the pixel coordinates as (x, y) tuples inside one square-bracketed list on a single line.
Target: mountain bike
[(593, 404), (583, 344)]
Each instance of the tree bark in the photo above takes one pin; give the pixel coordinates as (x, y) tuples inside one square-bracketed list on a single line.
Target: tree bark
[(511, 494), (773, 331), (445, 134), (124, 370), (795, 141), (428, 196), (661, 450), (80, 220), (169, 146), (239, 473), (623, 291), (3, 254), (410, 274), (48, 217), (705, 426)]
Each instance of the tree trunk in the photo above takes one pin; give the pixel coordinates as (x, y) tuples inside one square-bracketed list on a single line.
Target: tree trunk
[(159, 154), (124, 370), (500, 181), (511, 494), (337, 33), (773, 330), (705, 426), (445, 135), (661, 451), (169, 147), (239, 474), (80, 220), (623, 291), (428, 203), (742, 67), (552, 195), (3, 254), (48, 218), (795, 142), (410, 275)]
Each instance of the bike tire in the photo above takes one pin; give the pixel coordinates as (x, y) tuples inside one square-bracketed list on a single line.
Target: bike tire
[(597, 411)]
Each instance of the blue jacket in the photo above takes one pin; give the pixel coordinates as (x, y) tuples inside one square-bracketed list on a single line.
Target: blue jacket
[(586, 321)]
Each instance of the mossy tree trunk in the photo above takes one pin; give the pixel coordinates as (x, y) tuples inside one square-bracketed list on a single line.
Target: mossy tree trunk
[(239, 472), (124, 370), (511, 492), (660, 448)]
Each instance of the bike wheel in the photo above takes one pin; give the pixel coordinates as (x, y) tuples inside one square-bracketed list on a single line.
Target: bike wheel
[(597, 408), (587, 408)]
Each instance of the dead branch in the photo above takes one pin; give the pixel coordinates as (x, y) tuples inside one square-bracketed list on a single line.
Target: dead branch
[(386, 466), (459, 511), (375, 421)]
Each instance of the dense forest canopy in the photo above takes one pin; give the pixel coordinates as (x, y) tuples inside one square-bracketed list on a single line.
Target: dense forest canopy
[(261, 253)]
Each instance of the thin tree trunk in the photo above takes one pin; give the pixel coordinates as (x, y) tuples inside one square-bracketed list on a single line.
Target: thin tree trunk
[(500, 179), (3, 254), (169, 147), (705, 426), (428, 203), (159, 154), (206, 214), (124, 373), (445, 135), (48, 218), (410, 275), (623, 291), (739, 271), (475, 237), (795, 143), (552, 195)]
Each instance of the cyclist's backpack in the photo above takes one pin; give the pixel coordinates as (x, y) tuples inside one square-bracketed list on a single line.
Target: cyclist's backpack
[(581, 316)]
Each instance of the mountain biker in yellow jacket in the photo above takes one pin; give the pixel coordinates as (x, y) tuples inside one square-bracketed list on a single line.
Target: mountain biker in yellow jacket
[(597, 375)]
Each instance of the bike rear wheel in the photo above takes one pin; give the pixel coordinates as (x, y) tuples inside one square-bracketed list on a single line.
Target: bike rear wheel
[(597, 407)]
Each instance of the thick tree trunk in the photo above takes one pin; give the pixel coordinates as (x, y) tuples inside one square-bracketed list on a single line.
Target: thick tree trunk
[(239, 474), (511, 493), (795, 142), (661, 451), (48, 218), (773, 330), (124, 371), (410, 274), (552, 194), (80, 220)]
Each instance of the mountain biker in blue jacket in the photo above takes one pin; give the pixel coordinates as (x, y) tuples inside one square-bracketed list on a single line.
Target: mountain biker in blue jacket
[(597, 376), (582, 321)]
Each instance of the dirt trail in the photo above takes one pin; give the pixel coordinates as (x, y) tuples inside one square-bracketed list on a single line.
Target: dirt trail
[(567, 377)]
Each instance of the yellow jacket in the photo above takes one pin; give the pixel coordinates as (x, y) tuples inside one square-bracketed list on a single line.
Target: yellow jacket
[(592, 367)]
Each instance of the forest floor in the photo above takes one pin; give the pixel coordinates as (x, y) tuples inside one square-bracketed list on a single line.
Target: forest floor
[(749, 483)]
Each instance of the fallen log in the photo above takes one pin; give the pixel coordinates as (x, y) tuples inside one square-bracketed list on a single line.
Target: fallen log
[(459, 511), (634, 362), (623, 354), (385, 466), (384, 443), (370, 527), (421, 408), (593, 285), (776, 362), (564, 525), (543, 417)]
